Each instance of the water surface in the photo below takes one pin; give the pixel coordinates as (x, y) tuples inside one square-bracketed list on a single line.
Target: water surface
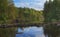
[(31, 32)]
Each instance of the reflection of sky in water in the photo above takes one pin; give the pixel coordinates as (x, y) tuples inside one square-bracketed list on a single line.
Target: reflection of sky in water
[(32, 32)]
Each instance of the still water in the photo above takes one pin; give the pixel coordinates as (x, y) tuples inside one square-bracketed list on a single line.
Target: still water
[(48, 31), (31, 32)]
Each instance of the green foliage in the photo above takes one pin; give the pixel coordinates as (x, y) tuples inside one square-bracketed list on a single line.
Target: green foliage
[(3, 9), (30, 15), (7, 13), (52, 11)]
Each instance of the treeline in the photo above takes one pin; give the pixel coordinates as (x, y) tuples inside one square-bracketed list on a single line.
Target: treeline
[(29, 15), (9, 13)]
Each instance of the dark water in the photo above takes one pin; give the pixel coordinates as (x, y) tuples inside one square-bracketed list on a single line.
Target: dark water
[(53, 30), (31, 32), (48, 31)]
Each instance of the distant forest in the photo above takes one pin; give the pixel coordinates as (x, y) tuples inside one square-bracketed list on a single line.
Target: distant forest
[(27, 15)]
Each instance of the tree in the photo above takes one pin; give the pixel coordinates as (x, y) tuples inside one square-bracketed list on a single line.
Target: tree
[(52, 11), (3, 9), (7, 12), (47, 12)]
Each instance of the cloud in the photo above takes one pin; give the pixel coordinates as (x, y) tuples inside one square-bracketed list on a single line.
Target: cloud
[(35, 4), (21, 4)]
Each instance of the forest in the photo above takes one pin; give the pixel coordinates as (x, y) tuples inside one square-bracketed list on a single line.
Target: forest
[(26, 15), (9, 13)]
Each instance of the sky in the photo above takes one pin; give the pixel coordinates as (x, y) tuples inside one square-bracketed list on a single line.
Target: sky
[(35, 4)]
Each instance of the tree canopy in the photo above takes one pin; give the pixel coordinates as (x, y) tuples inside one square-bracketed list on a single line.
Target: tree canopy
[(30, 15), (7, 11)]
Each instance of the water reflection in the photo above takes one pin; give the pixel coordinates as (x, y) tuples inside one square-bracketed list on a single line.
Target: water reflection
[(7, 32), (48, 31), (52, 30), (32, 32)]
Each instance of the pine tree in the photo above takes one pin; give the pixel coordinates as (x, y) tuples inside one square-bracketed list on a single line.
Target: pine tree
[(47, 11), (52, 11)]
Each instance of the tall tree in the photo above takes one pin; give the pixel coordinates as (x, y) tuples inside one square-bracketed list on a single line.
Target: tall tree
[(52, 11), (3, 9), (12, 10), (7, 12)]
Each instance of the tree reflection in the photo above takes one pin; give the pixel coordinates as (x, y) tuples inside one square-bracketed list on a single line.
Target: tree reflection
[(7, 32), (52, 30)]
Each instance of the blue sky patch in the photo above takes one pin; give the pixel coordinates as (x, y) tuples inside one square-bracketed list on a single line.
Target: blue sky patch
[(35, 4)]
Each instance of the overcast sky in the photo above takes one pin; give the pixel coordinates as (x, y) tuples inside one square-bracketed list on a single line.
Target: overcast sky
[(35, 4)]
